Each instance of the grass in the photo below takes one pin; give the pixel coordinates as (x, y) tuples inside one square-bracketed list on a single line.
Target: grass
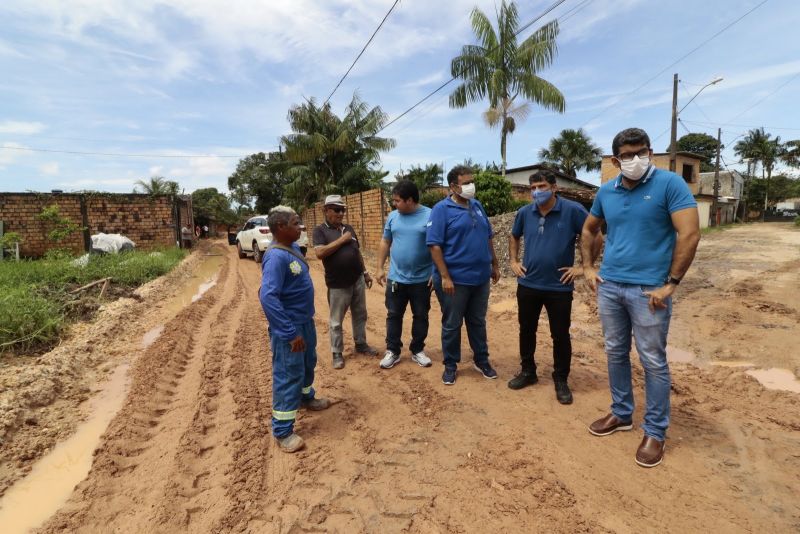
[(35, 300)]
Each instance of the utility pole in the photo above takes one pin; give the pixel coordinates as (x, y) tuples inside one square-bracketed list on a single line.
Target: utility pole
[(716, 181), (673, 138)]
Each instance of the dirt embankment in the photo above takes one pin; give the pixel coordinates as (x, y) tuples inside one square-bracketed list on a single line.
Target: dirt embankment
[(399, 452)]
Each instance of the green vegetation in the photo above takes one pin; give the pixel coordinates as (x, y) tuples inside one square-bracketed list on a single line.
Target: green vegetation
[(35, 299), (60, 227), (494, 192), (571, 151)]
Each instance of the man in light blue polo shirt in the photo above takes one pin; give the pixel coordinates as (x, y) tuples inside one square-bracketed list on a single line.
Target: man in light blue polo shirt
[(653, 232), (410, 269), (550, 226), (460, 239)]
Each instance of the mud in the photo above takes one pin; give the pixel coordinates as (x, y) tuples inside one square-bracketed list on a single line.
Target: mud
[(190, 449)]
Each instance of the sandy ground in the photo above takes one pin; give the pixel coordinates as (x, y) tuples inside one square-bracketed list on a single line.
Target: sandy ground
[(190, 450)]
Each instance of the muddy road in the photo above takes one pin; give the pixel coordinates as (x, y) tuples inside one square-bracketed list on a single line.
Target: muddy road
[(190, 450)]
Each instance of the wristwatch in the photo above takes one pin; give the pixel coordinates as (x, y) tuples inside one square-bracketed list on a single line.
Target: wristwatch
[(672, 280)]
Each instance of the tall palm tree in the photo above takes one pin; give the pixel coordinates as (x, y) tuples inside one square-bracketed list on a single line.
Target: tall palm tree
[(791, 153), (502, 71), (572, 151), (157, 185), (759, 147), (326, 154)]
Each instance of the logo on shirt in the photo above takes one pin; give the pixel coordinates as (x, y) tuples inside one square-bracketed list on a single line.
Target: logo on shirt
[(647, 197), (429, 223), (295, 268)]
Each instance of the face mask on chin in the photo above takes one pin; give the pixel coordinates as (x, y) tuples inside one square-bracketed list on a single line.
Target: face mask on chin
[(634, 169), (467, 191)]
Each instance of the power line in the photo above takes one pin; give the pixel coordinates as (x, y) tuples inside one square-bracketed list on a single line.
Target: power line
[(448, 82), (781, 86), (115, 154), (362, 50), (738, 125), (665, 69)]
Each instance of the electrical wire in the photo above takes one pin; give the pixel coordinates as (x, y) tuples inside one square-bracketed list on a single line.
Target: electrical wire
[(362, 50), (116, 154), (738, 125), (665, 69), (781, 86)]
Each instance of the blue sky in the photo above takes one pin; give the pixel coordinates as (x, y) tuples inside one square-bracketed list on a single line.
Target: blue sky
[(211, 81)]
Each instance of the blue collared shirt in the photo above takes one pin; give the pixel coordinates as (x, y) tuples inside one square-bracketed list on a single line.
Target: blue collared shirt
[(410, 259), (641, 236), (463, 234), (549, 242), (287, 292)]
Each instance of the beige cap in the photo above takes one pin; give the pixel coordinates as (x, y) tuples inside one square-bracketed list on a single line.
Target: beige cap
[(334, 200)]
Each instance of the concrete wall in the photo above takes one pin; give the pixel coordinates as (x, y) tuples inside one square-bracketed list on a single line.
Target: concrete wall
[(148, 221), (366, 213)]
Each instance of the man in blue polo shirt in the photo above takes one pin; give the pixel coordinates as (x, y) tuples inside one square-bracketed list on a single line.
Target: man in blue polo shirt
[(410, 269), (653, 232), (550, 226), (460, 240)]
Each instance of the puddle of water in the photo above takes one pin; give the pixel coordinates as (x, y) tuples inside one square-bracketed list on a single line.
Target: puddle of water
[(205, 286), (150, 337), (676, 355), (776, 378), (205, 278), (32, 500)]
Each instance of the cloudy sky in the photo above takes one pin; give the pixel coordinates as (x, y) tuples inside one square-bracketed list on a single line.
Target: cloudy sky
[(184, 88)]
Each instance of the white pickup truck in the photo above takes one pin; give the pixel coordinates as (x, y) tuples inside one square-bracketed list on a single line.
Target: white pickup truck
[(254, 238)]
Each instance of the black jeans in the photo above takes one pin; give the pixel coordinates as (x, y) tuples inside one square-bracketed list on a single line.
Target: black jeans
[(559, 310), (398, 296)]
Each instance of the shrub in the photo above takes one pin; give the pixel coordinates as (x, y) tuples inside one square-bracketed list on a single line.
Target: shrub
[(431, 197), (27, 319), (518, 204), (494, 192)]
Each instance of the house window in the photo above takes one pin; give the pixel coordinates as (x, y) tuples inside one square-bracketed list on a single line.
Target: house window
[(687, 172)]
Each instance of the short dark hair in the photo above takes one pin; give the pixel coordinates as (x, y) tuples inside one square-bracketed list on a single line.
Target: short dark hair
[(279, 218), (406, 189), (455, 172), (543, 175), (629, 136)]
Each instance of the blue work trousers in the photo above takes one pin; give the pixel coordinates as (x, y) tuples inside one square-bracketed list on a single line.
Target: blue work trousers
[(292, 377)]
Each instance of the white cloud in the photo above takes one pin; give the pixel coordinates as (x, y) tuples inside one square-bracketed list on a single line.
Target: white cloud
[(10, 152), (21, 128), (427, 80), (49, 169)]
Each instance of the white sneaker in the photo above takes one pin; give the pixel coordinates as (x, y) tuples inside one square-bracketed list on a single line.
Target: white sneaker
[(389, 359), (422, 359)]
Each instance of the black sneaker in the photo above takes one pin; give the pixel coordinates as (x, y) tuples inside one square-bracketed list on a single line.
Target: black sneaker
[(486, 370), (449, 376), (523, 379), (563, 394)]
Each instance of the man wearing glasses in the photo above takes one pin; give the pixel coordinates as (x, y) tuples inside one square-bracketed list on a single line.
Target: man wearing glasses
[(335, 243), (460, 239), (550, 225), (653, 232)]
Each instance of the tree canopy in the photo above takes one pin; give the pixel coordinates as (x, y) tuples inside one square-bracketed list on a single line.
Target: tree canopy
[(209, 205), (506, 73), (703, 145), (424, 177), (258, 183), (157, 185), (571, 151)]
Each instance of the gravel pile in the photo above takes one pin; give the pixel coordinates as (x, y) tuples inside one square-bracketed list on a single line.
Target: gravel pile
[(502, 234)]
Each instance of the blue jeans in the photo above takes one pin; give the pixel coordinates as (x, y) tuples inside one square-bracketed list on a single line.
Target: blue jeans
[(624, 309), (398, 296), (292, 376), (468, 305)]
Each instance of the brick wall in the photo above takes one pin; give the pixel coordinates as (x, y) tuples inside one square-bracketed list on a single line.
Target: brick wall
[(366, 213), (147, 221)]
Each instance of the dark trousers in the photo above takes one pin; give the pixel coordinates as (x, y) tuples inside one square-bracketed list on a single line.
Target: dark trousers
[(398, 296), (559, 310)]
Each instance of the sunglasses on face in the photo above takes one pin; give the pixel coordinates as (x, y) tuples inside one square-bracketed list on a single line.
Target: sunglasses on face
[(628, 156), (338, 209)]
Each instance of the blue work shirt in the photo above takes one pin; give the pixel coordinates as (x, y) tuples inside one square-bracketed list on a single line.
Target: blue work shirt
[(463, 234), (551, 248), (641, 237), (410, 258), (287, 293)]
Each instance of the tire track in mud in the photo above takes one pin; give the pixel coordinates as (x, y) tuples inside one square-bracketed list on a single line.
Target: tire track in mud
[(126, 481)]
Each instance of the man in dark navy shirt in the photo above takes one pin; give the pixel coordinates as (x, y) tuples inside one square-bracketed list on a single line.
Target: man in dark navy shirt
[(550, 226)]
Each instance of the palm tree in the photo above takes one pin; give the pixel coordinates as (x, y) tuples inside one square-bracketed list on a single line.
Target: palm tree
[(502, 71), (759, 147), (572, 151), (326, 154), (157, 185), (791, 153)]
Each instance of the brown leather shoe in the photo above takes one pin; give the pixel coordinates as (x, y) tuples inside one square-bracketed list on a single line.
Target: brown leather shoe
[(608, 425), (650, 452)]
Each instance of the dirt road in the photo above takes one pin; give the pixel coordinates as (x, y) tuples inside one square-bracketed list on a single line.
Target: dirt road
[(400, 452)]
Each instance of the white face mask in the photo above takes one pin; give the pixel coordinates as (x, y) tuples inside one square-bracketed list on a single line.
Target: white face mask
[(635, 168), (468, 191)]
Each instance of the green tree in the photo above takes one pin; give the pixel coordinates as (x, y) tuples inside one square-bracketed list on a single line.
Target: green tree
[(703, 145), (259, 181), (424, 177), (505, 73), (157, 185), (327, 154), (791, 153), (494, 192), (209, 205), (572, 151)]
